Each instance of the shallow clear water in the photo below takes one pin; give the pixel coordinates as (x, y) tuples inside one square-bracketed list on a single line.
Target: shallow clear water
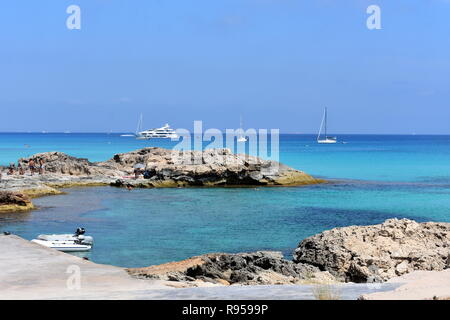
[(385, 177)]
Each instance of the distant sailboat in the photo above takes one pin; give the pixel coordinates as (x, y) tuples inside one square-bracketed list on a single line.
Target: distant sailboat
[(139, 128), (323, 125), (241, 138)]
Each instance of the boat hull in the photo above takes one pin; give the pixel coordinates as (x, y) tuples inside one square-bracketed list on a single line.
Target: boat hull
[(328, 141), (147, 137), (63, 246)]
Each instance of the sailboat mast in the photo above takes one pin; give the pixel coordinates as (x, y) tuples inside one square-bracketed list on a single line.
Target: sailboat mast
[(321, 126), (325, 125), (139, 126)]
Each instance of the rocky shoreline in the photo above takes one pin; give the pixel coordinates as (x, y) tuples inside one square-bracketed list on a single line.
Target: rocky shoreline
[(40, 272), (15, 201), (210, 168), (253, 268), (361, 254), (379, 252)]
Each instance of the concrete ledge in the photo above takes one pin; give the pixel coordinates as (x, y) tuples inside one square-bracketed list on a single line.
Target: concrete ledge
[(31, 271)]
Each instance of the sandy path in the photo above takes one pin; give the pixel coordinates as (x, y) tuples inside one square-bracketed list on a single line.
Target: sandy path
[(418, 285)]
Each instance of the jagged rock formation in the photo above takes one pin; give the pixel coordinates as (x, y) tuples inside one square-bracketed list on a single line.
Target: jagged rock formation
[(212, 167), (63, 164), (352, 254), (208, 168), (14, 201), (379, 252), (262, 267)]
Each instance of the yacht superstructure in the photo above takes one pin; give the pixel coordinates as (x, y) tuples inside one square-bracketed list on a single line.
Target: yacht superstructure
[(165, 132)]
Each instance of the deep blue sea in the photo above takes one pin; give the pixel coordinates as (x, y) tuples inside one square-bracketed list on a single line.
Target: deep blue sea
[(376, 177)]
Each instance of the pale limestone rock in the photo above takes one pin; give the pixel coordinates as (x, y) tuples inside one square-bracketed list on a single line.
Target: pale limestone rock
[(213, 167), (378, 252)]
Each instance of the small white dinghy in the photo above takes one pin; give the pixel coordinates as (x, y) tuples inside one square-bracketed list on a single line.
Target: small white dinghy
[(66, 242), (65, 246)]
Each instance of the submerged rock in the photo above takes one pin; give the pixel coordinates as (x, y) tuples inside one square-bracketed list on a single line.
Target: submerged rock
[(14, 201), (262, 267), (379, 252)]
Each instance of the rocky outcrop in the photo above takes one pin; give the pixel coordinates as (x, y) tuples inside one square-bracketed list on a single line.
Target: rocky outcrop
[(214, 167), (379, 252), (61, 163), (262, 267), (164, 168), (14, 201)]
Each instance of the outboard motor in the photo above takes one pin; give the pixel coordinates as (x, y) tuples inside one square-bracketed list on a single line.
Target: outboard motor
[(82, 239), (80, 231)]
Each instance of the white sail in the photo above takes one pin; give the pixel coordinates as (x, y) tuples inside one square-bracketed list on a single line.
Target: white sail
[(323, 125), (139, 125), (241, 138)]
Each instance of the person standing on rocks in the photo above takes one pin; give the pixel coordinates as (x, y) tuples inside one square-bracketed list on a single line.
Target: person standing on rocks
[(41, 166), (11, 168), (20, 168), (32, 166)]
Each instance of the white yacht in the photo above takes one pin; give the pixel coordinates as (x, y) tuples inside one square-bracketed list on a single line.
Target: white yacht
[(326, 139), (66, 242), (165, 132)]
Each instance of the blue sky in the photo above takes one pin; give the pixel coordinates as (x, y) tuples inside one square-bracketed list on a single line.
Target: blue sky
[(276, 62)]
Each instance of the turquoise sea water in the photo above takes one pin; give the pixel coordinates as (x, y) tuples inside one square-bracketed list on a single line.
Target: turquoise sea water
[(376, 178), (366, 157)]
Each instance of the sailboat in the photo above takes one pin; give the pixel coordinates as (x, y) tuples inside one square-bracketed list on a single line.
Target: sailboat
[(241, 138), (139, 128), (324, 125)]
